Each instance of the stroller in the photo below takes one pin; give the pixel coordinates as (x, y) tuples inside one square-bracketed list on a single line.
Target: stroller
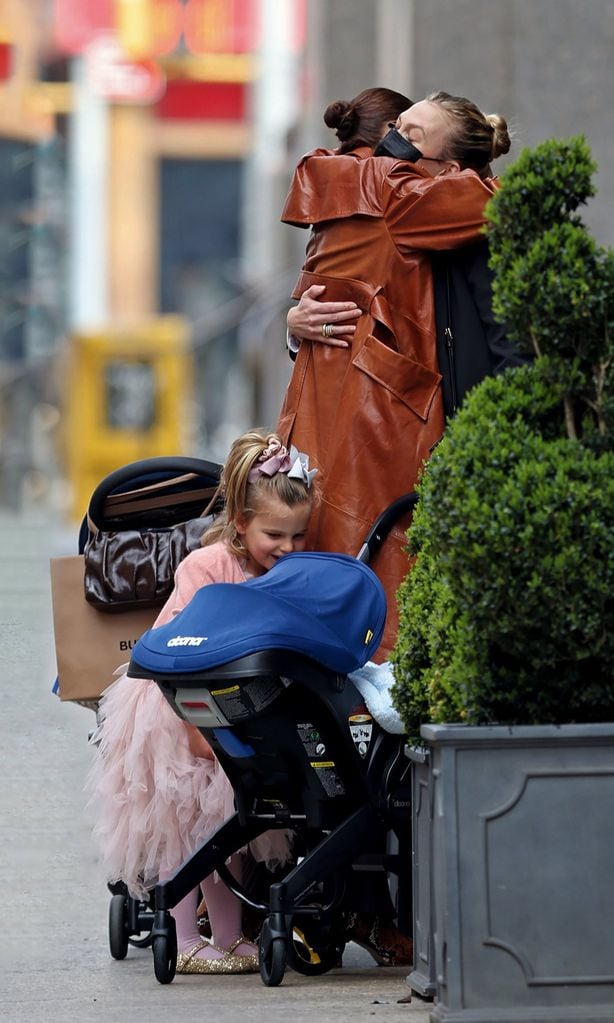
[(268, 687), (141, 519)]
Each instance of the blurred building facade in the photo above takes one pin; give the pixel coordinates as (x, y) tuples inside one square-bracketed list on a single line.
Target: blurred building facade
[(146, 147)]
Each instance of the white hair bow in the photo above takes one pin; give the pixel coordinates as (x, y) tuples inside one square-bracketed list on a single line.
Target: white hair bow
[(300, 467)]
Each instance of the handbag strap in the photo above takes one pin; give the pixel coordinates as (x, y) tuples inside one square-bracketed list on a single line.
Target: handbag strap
[(150, 503), (150, 488)]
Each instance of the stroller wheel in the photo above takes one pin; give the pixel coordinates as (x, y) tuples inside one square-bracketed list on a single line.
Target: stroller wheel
[(164, 946), (118, 927), (273, 956)]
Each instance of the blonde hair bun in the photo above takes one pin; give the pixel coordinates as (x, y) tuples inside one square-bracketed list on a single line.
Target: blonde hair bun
[(501, 141)]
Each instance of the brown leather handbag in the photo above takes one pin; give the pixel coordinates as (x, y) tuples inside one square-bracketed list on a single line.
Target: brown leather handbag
[(129, 569), (136, 537)]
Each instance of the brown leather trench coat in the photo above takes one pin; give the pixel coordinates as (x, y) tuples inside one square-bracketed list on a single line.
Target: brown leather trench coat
[(369, 415)]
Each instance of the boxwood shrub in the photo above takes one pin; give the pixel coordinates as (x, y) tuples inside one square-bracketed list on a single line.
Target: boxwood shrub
[(506, 615)]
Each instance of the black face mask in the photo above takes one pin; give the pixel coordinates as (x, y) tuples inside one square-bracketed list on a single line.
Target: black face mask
[(394, 144)]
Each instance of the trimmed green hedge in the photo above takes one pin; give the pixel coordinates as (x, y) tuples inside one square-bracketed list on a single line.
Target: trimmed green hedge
[(503, 618), (507, 614), (553, 286)]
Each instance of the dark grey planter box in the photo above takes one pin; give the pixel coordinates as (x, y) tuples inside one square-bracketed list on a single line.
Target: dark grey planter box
[(521, 883), (422, 977)]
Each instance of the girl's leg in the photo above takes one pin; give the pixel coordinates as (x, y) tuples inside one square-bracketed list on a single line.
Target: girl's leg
[(185, 921), (185, 918), (225, 914), (224, 911)]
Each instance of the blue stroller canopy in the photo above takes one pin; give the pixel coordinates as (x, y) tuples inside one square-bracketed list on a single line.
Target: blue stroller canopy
[(329, 607)]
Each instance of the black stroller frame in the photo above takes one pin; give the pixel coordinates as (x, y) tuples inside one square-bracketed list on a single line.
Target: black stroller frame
[(340, 809), (340, 829)]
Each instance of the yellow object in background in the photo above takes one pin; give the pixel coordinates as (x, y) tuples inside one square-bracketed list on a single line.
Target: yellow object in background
[(127, 397), (134, 26)]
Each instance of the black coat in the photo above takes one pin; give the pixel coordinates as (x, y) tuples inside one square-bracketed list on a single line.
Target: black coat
[(470, 343)]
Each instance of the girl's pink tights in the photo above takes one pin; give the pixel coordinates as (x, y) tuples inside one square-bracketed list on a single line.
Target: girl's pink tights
[(224, 910)]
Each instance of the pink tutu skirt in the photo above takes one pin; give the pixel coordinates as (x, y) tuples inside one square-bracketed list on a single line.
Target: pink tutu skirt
[(155, 802)]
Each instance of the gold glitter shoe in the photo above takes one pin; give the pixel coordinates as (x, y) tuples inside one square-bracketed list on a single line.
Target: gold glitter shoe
[(190, 962)]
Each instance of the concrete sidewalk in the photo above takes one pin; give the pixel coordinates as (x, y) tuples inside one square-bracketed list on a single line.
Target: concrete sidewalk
[(55, 958)]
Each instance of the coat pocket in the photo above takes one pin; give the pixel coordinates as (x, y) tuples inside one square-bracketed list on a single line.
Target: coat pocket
[(338, 289), (410, 382)]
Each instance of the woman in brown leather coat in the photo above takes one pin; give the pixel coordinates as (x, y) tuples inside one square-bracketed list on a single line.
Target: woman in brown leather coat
[(370, 413)]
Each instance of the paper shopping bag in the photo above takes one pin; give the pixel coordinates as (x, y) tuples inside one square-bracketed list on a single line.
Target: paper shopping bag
[(89, 644)]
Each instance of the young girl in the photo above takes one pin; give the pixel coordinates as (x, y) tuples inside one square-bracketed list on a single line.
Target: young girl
[(156, 785)]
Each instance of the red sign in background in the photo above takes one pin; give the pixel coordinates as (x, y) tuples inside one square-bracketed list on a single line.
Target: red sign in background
[(121, 80), (203, 26), (212, 101), (6, 60), (76, 23), (194, 27)]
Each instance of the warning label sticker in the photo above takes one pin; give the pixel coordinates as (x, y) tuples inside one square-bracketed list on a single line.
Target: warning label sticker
[(238, 702), (315, 748), (361, 730), (328, 777), (311, 739)]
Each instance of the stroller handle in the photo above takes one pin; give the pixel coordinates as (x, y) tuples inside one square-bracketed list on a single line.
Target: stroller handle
[(384, 523)]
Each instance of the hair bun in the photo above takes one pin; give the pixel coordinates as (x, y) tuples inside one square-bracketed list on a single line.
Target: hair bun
[(501, 141), (343, 117)]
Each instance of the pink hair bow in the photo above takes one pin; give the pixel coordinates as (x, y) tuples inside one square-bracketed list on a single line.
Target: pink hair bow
[(275, 458)]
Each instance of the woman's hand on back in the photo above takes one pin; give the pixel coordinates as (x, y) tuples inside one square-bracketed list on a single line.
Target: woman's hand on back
[(306, 320)]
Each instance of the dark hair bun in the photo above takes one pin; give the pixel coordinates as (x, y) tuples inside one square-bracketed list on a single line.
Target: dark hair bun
[(341, 116)]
